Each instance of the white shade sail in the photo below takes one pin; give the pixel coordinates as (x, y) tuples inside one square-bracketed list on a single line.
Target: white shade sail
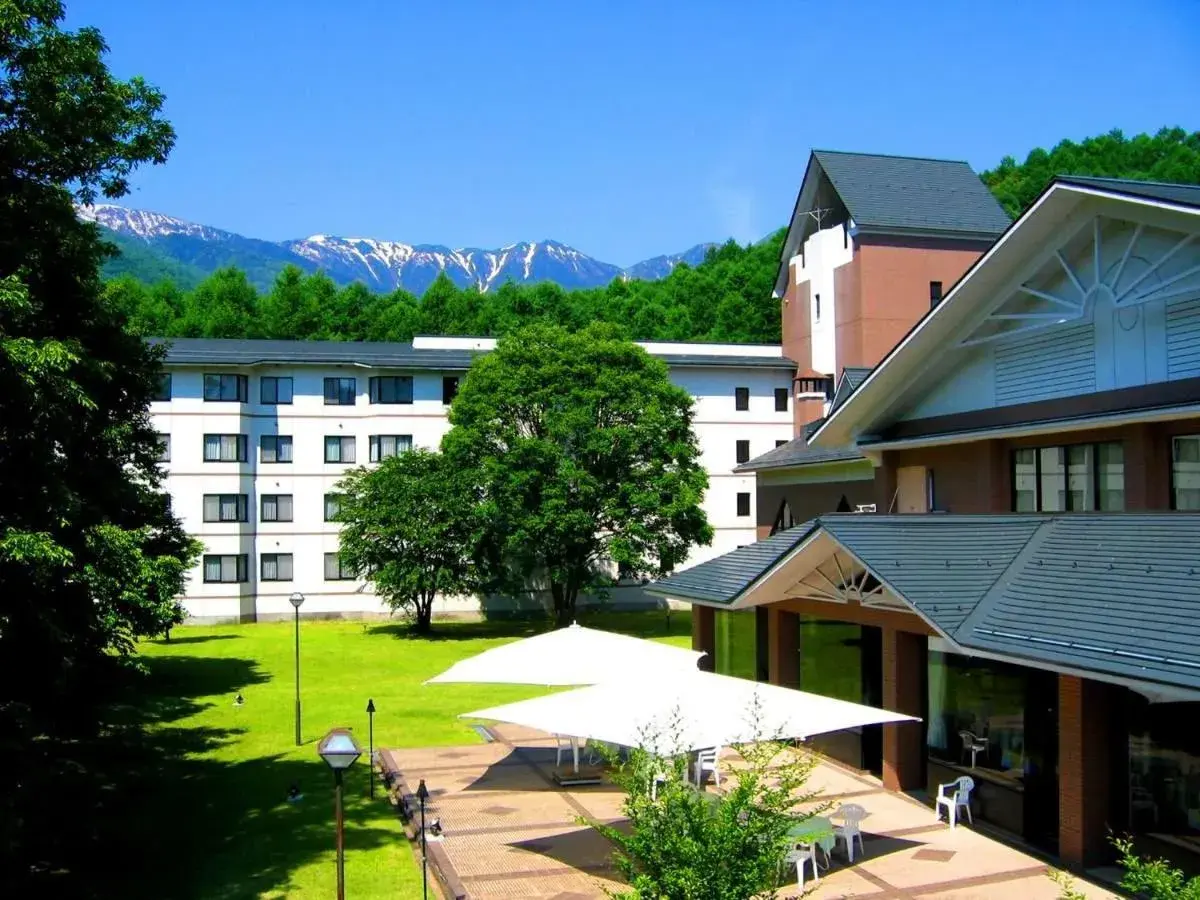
[(571, 656), (686, 711)]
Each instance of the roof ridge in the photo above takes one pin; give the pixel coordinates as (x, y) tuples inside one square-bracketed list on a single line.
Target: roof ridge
[(893, 156), (1115, 180), (983, 605)]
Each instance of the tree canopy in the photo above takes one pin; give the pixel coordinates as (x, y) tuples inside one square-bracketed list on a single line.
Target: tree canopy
[(1171, 154), (91, 557), (409, 527), (584, 457)]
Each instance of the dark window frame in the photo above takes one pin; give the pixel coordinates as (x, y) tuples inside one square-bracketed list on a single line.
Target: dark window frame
[(1174, 502), (334, 389), (816, 307), (450, 386), (935, 293), (262, 507), (741, 399), (781, 399), (279, 440), (335, 500), (375, 446), (342, 574), (262, 567), (741, 450), (163, 390), (740, 496), (1037, 476), (275, 381), (164, 446), (242, 447), (342, 439), (241, 568), (376, 393), (240, 387), (241, 505)]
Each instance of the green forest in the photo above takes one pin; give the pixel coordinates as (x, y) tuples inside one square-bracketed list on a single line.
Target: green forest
[(725, 298)]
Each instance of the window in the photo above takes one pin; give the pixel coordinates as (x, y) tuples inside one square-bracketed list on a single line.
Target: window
[(781, 399), (1075, 478), (275, 391), (741, 399), (333, 506), (275, 448), (449, 389), (228, 569), (743, 451), (815, 385), (1185, 472), (339, 449), (163, 390), (225, 388), (387, 445), (224, 448), (340, 391), (276, 508), (391, 389), (935, 293), (164, 447), (225, 508), (336, 569), (743, 504), (779, 442), (817, 307), (276, 567)]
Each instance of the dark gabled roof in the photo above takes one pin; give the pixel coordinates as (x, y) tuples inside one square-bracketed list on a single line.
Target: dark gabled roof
[(797, 452), (1187, 194), (1116, 594), (245, 352), (913, 195), (723, 579), (852, 377)]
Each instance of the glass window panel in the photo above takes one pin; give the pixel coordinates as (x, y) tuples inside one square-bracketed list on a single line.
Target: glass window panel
[(1164, 770), (831, 662), (285, 566), (1053, 479), (984, 698), (283, 504), (212, 568), (212, 507), (1025, 481), (736, 643), (333, 505), (164, 448), (163, 390), (1185, 472), (229, 568), (212, 447), (741, 399), (270, 568), (283, 449), (1081, 493), (1110, 476)]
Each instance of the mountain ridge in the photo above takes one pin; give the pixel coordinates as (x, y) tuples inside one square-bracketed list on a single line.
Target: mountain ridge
[(381, 265)]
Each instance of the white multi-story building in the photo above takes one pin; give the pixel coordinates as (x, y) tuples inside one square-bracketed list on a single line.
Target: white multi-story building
[(256, 435)]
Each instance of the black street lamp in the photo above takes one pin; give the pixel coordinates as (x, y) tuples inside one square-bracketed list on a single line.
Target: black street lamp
[(423, 795), (339, 750), (296, 599), (371, 745)]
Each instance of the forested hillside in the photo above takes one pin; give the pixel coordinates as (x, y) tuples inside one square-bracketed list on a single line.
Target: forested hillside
[(725, 298)]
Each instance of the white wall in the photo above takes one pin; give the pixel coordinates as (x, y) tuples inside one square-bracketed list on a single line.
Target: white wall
[(187, 418), (824, 251)]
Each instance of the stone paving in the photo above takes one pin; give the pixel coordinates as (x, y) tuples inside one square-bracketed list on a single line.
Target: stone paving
[(510, 832)]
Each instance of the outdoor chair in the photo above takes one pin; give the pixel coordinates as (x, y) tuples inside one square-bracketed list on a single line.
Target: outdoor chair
[(567, 743), (706, 761), (954, 796), (972, 744), (851, 815), (799, 855)]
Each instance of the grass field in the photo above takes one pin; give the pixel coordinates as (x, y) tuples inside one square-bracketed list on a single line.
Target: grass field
[(207, 816)]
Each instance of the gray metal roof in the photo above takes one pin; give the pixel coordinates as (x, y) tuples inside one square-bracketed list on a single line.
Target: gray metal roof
[(909, 194), (797, 452), (1188, 194), (1117, 594), (246, 352), (851, 378), (723, 579)]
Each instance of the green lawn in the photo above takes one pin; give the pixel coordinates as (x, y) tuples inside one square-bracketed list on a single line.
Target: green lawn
[(206, 817)]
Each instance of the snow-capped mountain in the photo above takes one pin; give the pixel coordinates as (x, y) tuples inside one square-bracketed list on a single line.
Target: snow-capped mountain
[(381, 265)]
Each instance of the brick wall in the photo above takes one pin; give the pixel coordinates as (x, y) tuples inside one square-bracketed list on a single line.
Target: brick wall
[(904, 663), (1085, 774)]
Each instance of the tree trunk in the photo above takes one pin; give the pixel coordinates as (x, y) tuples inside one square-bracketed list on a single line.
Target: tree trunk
[(423, 623), (564, 605)]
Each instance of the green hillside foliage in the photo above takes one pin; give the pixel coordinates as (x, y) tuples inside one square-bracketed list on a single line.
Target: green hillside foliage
[(725, 298), (1171, 154), (138, 260)]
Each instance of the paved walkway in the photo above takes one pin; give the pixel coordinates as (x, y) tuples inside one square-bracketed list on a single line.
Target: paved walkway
[(511, 833)]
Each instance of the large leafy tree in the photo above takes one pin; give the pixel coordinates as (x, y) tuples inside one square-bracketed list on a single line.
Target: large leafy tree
[(585, 458), (91, 557), (1171, 154), (409, 529)]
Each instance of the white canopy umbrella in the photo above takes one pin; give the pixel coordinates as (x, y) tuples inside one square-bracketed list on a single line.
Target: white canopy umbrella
[(687, 711), (572, 656)]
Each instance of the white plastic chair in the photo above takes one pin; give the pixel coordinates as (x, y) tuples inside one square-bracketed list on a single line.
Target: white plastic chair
[(566, 742), (972, 744), (799, 855), (851, 815), (706, 761), (953, 800)]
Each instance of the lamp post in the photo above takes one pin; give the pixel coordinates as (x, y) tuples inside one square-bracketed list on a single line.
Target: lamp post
[(339, 750), (371, 745), (423, 795), (296, 599)]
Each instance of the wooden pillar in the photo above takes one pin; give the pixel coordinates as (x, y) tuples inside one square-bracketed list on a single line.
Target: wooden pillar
[(783, 636), (1084, 770), (904, 662), (704, 634)]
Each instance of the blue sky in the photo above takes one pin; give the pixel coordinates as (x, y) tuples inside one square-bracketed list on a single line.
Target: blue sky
[(626, 129)]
